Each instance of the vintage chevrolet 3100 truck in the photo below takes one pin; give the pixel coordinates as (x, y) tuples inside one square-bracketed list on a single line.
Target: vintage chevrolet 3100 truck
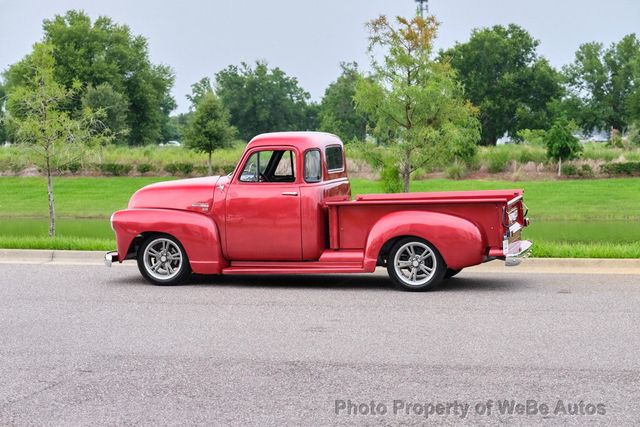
[(287, 209)]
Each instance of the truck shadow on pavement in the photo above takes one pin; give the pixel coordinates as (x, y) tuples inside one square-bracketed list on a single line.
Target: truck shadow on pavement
[(345, 282)]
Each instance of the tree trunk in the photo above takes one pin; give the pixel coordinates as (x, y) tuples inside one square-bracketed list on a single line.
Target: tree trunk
[(52, 209), (210, 163), (559, 166), (406, 173)]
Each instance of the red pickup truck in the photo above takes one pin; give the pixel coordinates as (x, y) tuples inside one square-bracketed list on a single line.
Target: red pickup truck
[(287, 209)]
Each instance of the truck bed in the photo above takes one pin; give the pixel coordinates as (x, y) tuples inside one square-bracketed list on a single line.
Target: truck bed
[(351, 220)]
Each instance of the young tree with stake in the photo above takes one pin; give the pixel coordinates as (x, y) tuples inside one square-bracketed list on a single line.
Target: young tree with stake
[(38, 118)]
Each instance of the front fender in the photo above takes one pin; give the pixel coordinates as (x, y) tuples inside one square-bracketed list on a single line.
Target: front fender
[(197, 233), (458, 240)]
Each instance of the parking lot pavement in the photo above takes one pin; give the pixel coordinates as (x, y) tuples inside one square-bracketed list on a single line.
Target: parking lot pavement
[(81, 344)]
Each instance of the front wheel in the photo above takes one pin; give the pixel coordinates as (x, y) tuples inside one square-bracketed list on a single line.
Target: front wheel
[(163, 261), (415, 265)]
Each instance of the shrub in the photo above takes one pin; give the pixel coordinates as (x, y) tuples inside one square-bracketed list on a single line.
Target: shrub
[(569, 170), (457, 170), (390, 176), (586, 171), (74, 167), (497, 160), (201, 170), (179, 168), (115, 169), (144, 167), (628, 168)]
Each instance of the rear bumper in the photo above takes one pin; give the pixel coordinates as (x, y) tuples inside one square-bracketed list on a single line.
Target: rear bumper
[(517, 251), (110, 257)]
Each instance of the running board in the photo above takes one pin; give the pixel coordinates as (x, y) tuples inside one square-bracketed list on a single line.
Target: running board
[(299, 268), (331, 261)]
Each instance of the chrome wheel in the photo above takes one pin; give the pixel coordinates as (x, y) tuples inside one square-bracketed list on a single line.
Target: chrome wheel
[(415, 263), (163, 259)]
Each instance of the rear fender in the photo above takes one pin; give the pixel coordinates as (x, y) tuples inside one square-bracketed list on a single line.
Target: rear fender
[(458, 240), (197, 233)]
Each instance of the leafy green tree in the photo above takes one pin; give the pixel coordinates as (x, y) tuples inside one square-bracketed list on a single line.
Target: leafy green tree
[(199, 89), (39, 119), (414, 98), (338, 112), (261, 99), (113, 104), (208, 129), (504, 77), (3, 132), (101, 52), (561, 144), (604, 85)]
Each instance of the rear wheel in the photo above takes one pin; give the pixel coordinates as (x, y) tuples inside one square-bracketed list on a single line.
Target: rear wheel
[(450, 273), (163, 261), (415, 265)]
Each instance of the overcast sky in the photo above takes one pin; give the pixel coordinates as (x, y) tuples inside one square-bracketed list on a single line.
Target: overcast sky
[(308, 39)]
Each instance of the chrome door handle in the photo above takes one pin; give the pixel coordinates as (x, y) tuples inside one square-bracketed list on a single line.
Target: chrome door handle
[(289, 193)]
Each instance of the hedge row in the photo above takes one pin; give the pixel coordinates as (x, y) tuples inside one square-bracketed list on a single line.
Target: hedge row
[(628, 168)]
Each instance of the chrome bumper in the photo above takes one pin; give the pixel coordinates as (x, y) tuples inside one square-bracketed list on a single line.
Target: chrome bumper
[(516, 252), (110, 257)]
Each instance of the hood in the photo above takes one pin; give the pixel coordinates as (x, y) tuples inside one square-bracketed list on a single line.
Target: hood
[(194, 194)]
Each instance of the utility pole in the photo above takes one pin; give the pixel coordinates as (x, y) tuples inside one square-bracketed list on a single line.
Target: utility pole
[(423, 7)]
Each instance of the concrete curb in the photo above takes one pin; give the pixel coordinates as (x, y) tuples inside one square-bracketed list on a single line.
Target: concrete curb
[(33, 256), (531, 265)]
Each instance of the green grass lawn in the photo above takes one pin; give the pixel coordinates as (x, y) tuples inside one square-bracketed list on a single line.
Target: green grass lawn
[(570, 218)]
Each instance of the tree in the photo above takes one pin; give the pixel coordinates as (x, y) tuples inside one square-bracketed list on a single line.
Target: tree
[(414, 98), (104, 97), (3, 132), (38, 117), (338, 112), (198, 90), (208, 129), (604, 85), (561, 144), (504, 77), (261, 99), (101, 52)]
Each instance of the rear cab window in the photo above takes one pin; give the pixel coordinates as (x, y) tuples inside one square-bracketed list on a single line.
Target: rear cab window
[(334, 158), (312, 166)]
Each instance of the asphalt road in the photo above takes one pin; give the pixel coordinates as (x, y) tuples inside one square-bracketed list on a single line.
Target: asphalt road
[(88, 345)]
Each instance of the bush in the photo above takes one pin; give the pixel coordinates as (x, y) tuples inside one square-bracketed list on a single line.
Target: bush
[(390, 176), (586, 171), (115, 169), (200, 170), (74, 167), (457, 170), (628, 168), (179, 168), (569, 170), (144, 167), (497, 160)]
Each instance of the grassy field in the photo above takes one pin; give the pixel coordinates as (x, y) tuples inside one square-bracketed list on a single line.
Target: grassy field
[(581, 218)]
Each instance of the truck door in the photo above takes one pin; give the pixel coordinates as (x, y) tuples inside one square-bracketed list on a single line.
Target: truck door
[(263, 208)]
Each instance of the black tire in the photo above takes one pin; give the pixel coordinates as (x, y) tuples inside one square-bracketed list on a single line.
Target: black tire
[(174, 266), (450, 273), (429, 271)]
